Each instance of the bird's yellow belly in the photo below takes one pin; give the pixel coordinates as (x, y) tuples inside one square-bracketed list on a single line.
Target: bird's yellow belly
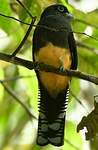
[(58, 57)]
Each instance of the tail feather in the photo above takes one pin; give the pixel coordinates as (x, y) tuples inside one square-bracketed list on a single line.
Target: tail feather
[(51, 122), (56, 132), (42, 130)]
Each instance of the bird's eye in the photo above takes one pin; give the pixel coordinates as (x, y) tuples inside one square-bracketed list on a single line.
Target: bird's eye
[(61, 8)]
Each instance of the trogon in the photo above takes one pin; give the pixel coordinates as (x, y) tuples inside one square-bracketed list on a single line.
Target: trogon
[(53, 44)]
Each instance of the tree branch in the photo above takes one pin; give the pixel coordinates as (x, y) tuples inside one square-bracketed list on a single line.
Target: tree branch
[(78, 100), (26, 9), (17, 61), (14, 19), (79, 20), (16, 78), (87, 23), (47, 68), (87, 47), (75, 147), (18, 100), (86, 35), (24, 39), (51, 29)]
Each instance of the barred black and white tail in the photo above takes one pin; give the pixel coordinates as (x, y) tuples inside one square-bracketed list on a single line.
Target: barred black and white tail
[(52, 116)]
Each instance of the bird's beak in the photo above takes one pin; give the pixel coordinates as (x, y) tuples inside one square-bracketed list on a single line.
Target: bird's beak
[(69, 15)]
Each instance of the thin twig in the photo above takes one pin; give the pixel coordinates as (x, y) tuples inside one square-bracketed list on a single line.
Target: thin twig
[(87, 23), (16, 61), (51, 29), (47, 68), (79, 20), (14, 19), (16, 78), (86, 35), (26, 9), (87, 47), (24, 39), (78, 100), (75, 147), (18, 100), (64, 30), (22, 77)]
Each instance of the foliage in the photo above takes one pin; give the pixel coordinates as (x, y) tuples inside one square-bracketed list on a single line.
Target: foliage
[(14, 120)]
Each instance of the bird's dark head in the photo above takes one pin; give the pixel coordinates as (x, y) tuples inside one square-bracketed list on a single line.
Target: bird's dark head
[(56, 16), (57, 9)]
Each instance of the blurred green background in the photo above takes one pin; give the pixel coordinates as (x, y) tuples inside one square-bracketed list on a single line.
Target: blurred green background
[(17, 129)]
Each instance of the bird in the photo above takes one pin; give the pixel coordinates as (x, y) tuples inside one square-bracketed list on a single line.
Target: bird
[(54, 45)]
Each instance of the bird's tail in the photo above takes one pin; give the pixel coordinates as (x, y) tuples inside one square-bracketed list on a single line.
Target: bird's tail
[(51, 118)]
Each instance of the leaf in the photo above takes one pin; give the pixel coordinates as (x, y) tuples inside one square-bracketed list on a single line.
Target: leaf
[(76, 25), (93, 17), (12, 28), (92, 42), (31, 86), (34, 8), (73, 137), (75, 88), (5, 23), (88, 62), (91, 123)]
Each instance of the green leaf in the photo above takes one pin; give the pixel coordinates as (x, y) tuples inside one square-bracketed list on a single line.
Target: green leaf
[(10, 26), (31, 86), (5, 23), (92, 17), (88, 62), (34, 8), (76, 25), (17, 35), (92, 42), (73, 137), (75, 88)]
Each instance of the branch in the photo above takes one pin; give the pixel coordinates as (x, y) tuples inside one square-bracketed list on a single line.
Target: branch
[(65, 30), (87, 47), (86, 35), (22, 77), (16, 78), (47, 68), (16, 61), (75, 147), (26, 9), (51, 29), (25, 38), (18, 100), (87, 23), (79, 20), (14, 19), (77, 99)]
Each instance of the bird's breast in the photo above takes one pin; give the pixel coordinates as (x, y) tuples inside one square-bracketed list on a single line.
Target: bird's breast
[(58, 57)]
